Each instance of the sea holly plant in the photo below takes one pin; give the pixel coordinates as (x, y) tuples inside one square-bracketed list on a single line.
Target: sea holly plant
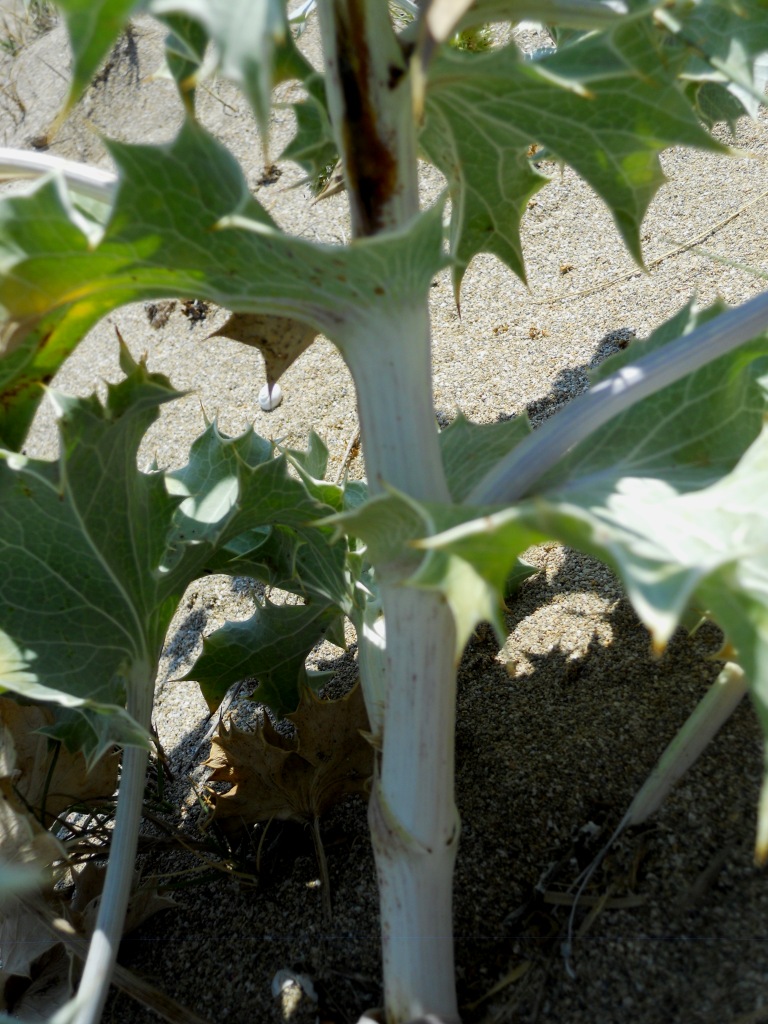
[(659, 469)]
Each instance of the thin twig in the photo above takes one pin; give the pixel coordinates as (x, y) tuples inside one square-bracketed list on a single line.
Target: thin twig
[(349, 455), (216, 719), (322, 863)]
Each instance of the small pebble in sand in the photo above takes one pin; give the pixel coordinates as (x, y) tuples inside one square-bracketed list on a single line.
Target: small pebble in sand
[(269, 399)]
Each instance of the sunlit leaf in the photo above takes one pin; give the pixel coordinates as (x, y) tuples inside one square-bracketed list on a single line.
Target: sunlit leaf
[(184, 239), (608, 104)]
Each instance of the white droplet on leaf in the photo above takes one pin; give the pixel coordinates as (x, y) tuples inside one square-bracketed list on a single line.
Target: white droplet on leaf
[(270, 399)]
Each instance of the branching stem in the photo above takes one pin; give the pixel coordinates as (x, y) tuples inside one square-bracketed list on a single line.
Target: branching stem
[(413, 818)]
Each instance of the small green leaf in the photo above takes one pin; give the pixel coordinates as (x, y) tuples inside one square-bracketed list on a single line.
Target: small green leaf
[(313, 462), (313, 147), (272, 645), (184, 54), (243, 512), (388, 525), (253, 40), (725, 37)]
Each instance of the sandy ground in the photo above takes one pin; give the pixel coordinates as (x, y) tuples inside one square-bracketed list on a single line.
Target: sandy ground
[(550, 752)]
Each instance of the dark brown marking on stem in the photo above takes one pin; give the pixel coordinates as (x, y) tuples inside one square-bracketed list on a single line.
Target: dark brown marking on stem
[(370, 164), (395, 74)]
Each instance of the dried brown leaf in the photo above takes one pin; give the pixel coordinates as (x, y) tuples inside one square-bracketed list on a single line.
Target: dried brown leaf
[(144, 901), (22, 940), (23, 840), (272, 776), (69, 783), (51, 987), (32, 950), (280, 339)]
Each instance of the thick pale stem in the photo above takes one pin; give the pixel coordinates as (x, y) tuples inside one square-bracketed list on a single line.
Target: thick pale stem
[(417, 771), (412, 814), (391, 367), (371, 109), (413, 818), (92, 992)]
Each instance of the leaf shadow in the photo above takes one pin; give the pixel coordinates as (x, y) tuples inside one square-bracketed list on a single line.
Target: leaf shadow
[(574, 380)]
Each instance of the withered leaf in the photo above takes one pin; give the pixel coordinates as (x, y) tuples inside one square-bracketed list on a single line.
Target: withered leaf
[(297, 778), (51, 987), (280, 339), (23, 840), (22, 940), (144, 902), (28, 948), (69, 781), (32, 949)]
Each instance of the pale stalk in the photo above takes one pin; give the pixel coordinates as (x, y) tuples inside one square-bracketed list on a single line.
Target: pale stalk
[(710, 714), (87, 1006), (412, 814), (89, 181), (695, 735), (413, 819)]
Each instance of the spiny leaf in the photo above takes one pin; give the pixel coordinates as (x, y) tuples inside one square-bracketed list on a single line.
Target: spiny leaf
[(689, 433), (271, 645), (608, 104), (97, 554), (294, 779), (624, 496), (80, 542)]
